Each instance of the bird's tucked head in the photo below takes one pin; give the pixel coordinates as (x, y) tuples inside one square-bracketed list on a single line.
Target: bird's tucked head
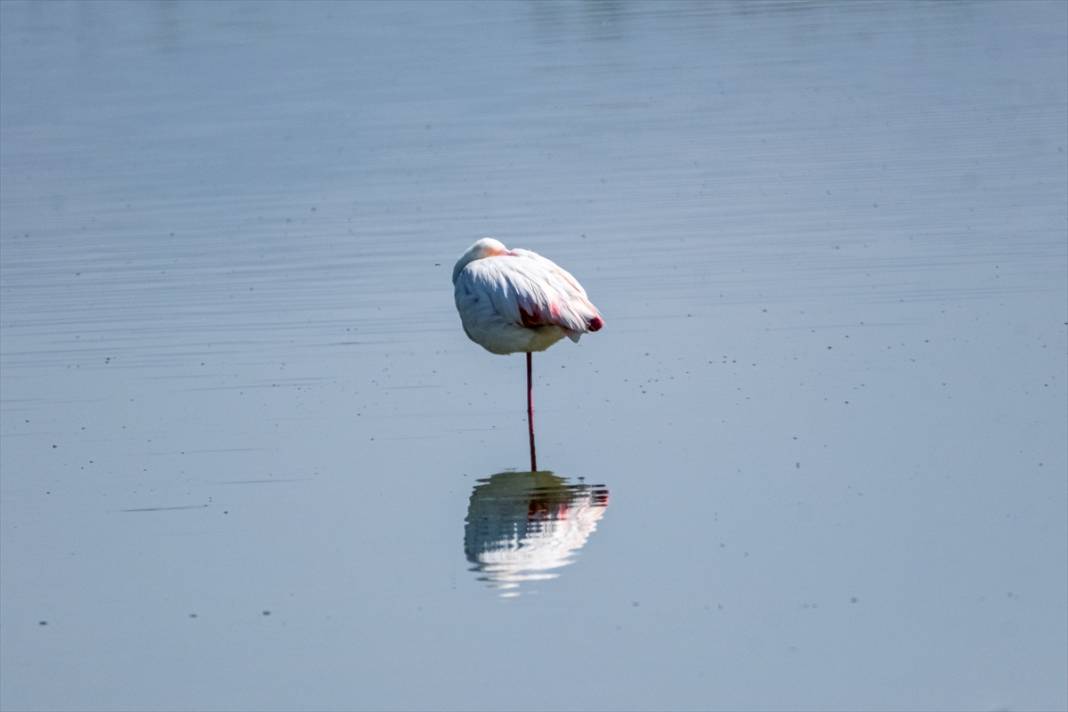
[(486, 247)]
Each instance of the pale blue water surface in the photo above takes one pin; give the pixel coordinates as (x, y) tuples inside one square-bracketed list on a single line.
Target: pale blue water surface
[(815, 460)]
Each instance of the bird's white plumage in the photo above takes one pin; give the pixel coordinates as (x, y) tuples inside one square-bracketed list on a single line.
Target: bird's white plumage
[(516, 300)]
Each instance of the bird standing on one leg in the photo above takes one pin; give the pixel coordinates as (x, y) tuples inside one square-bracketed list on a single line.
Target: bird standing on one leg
[(513, 301)]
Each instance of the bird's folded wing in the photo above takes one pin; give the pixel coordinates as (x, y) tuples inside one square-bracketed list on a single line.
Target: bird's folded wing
[(530, 291)]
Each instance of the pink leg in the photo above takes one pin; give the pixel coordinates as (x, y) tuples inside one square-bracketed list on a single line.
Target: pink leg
[(530, 414)]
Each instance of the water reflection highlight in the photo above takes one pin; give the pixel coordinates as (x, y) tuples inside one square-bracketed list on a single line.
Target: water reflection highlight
[(522, 526)]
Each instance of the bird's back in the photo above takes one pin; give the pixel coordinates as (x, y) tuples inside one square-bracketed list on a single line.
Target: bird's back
[(522, 302)]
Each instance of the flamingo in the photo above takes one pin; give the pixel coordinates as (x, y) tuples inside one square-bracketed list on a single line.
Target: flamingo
[(513, 301)]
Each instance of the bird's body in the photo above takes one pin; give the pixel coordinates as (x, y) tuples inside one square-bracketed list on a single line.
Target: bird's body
[(513, 301)]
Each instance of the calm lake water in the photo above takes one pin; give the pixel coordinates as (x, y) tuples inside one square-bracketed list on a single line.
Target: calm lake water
[(815, 460)]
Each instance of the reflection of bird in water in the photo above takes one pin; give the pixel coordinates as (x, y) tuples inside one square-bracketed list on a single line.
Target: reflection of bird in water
[(516, 300), (521, 526)]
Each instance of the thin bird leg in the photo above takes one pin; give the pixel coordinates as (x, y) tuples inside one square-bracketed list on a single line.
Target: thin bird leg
[(530, 414)]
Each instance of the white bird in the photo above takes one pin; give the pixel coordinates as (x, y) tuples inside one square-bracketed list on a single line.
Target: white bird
[(513, 301)]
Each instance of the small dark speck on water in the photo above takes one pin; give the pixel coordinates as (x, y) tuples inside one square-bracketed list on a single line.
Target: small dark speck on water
[(853, 599), (192, 615), (42, 622), (266, 612), (635, 604)]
